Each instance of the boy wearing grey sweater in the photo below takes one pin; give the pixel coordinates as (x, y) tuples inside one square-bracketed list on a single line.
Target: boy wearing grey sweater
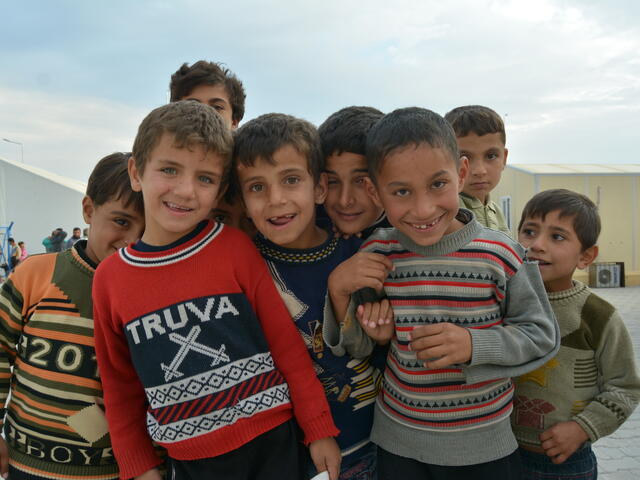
[(468, 312), (591, 387)]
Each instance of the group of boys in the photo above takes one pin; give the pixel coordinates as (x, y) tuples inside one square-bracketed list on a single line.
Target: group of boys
[(276, 300)]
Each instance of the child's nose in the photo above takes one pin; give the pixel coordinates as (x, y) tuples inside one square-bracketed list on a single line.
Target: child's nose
[(185, 188), (346, 196), (276, 195)]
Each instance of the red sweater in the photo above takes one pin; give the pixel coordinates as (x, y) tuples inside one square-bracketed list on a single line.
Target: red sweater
[(197, 351)]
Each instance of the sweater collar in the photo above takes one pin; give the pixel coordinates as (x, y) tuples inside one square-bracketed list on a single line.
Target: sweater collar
[(186, 247), (271, 251), (448, 243), (578, 289)]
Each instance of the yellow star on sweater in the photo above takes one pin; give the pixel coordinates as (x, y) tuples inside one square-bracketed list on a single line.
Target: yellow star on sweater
[(539, 376)]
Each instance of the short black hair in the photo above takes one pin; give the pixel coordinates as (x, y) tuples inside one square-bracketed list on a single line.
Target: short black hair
[(346, 130), (476, 119), (264, 135), (408, 126), (186, 78), (109, 181), (586, 220)]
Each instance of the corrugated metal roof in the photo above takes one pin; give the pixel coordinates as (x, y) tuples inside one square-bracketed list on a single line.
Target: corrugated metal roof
[(59, 179), (577, 169)]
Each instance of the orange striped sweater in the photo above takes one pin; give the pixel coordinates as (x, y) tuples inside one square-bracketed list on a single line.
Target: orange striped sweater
[(50, 391)]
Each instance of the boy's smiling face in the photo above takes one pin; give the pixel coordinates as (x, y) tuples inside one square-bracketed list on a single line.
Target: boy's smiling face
[(487, 158), (554, 244), (113, 225), (179, 186), (281, 197), (418, 188), (348, 204)]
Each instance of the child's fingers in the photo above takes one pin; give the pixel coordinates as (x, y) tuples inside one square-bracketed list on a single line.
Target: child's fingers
[(386, 312)]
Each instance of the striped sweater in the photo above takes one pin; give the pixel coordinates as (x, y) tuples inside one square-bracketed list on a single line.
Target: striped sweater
[(474, 278), (54, 423)]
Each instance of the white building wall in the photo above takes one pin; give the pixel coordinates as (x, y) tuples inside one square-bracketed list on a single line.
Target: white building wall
[(38, 202)]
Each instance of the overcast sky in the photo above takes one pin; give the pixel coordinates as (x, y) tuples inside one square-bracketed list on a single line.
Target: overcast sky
[(77, 77)]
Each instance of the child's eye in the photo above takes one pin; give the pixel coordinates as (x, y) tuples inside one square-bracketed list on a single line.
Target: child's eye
[(492, 156), (527, 232), (205, 179), (558, 237), (360, 180), (401, 192), (291, 180), (256, 187), (438, 184), (219, 108), (121, 222), (169, 170)]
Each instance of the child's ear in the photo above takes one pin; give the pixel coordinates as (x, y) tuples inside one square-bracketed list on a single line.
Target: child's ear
[(372, 191), (506, 154), (134, 175), (87, 209), (321, 189), (587, 257), (463, 171)]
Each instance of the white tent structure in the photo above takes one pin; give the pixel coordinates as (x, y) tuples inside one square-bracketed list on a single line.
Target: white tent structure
[(37, 202)]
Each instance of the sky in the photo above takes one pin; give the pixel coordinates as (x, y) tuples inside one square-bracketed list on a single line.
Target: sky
[(76, 77)]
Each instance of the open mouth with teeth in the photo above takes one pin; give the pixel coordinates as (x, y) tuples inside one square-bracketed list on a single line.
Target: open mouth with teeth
[(424, 227), (281, 220), (538, 261), (177, 208)]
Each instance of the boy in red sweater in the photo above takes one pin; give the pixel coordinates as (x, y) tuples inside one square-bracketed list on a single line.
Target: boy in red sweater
[(196, 350)]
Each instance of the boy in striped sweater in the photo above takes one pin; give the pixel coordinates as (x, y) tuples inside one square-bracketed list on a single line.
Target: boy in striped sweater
[(54, 424), (469, 313)]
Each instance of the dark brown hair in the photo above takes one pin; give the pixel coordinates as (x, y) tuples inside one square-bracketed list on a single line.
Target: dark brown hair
[(586, 220), (109, 181), (186, 78), (476, 119)]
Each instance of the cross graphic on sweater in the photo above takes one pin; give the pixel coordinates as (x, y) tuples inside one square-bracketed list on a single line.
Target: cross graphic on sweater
[(188, 344)]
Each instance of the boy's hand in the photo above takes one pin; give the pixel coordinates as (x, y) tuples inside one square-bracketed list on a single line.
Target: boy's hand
[(364, 269), (376, 320), (562, 440), (153, 474), (441, 344), (4, 458), (325, 454)]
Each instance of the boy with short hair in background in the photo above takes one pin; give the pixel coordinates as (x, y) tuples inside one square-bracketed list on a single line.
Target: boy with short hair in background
[(591, 386), (54, 424), (195, 347), (343, 139), (469, 313), (279, 167), (481, 138)]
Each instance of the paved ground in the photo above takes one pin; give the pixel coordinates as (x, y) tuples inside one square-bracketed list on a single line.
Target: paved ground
[(619, 454)]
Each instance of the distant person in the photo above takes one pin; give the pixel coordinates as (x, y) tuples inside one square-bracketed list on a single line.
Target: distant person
[(85, 233), (591, 386), (24, 254), (15, 253), (54, 425), (215, 85), (481, 138), (55, 241), (75, 236)]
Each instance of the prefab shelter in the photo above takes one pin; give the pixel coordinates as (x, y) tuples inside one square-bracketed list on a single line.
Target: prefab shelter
[(37, 202), (614, 188)]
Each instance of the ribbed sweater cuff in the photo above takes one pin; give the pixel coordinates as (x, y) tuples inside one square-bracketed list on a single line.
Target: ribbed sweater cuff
[(319, 427), (135, 462), (487, 347)]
